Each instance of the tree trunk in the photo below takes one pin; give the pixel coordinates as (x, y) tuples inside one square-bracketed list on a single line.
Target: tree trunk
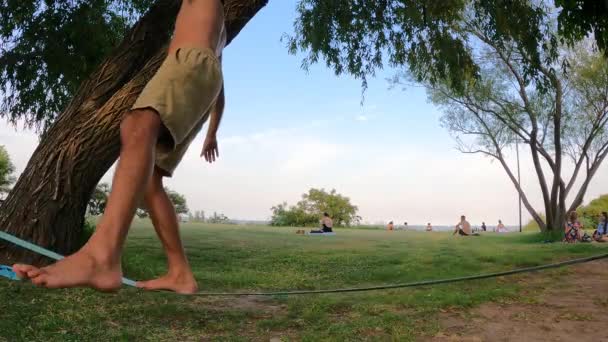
[(48, 203)]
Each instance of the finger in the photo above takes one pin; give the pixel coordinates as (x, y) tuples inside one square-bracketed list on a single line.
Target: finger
[(22, 270)]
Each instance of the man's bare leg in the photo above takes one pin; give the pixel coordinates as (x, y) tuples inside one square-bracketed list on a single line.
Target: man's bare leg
[(179, 277), (97, 264)]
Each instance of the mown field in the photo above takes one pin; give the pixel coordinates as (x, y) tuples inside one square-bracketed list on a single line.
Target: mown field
[(254, 258)]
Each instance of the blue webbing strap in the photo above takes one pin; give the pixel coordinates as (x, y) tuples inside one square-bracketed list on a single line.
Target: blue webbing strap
[(8, 272)]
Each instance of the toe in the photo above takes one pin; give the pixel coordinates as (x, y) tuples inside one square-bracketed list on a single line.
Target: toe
[(33, 272), (22, 270), (40, 280)]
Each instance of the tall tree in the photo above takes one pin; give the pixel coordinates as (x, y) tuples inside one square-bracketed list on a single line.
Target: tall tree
[(48, 202), (6, 171), (437, 43), (563, 119), (579, 18)]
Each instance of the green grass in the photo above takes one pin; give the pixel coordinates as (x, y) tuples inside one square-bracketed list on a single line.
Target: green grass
[(235, 258)]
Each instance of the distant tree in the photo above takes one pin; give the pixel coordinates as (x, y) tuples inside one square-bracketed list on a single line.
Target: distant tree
[(218, 218), (6, 172), (178, 200), (142, 213), (308, 211), (199, 216), (294, 216), (97, 203), (589, 214)]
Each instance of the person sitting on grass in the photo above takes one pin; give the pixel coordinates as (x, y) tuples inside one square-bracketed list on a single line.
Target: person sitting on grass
[(572, 232), (390, 226), (463, 227), (327, 224), (601, 233), (501, 227), (429, 227)]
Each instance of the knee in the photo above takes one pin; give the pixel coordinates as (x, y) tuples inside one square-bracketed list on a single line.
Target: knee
[(140, 127), (154, 186)]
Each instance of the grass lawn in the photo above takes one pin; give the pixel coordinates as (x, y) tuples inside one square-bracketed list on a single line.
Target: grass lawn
[(236, 258)]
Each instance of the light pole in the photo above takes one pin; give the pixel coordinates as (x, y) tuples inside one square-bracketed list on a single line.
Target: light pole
[(518, 180)]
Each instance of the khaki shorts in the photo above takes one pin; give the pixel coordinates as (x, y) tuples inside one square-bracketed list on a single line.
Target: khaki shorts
[(182, 92)]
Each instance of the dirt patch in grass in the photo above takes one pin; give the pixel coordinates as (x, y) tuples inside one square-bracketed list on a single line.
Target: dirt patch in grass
[(571, 307), (251, 304)]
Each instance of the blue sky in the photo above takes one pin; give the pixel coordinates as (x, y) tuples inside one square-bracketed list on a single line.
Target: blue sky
[(286, 130)]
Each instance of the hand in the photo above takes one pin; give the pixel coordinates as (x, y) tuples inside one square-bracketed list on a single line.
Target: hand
[(210, 151)]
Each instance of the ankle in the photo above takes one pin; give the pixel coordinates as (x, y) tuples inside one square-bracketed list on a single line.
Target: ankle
[(101, 255), (181, 272)]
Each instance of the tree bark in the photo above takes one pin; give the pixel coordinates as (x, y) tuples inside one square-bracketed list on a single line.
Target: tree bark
[(48, 203)]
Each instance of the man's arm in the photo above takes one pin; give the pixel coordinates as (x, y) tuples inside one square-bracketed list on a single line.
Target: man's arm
[(216, 114), (210, 149)]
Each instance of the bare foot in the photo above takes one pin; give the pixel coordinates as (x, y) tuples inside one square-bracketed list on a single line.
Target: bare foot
[(181, 283), (81, 269)]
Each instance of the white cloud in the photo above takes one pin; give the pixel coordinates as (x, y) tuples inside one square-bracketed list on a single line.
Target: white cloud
[(310, 155), (233, 140), (361, 118)]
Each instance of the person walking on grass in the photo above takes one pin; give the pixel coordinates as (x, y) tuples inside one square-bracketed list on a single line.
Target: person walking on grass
[(185, 91)]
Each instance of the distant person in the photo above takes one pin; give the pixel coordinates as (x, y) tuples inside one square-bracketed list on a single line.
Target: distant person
[(483, 226), (463, 227), (572, 231), (390, 226), (601, 233), (429, 228), (501, 227), (327, 223)]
